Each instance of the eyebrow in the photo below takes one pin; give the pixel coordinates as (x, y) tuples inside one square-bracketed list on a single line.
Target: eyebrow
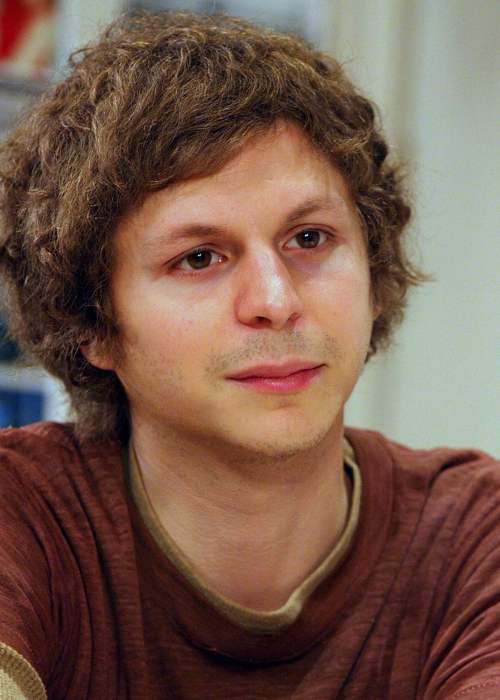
[(194, 230)]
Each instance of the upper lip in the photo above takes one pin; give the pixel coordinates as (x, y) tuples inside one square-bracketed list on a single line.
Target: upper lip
[(281, 370)]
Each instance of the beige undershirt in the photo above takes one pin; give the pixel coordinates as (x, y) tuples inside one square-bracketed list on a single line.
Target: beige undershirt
[(252, 620), (18, 678)]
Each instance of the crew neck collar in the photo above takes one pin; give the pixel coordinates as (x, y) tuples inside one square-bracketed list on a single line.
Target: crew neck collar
[(215, 623)]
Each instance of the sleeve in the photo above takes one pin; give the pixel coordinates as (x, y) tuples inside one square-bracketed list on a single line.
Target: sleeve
[(27, 644), (464, 658), (18, 678)]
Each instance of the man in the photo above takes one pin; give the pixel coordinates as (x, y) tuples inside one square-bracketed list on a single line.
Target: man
[(202, 238)]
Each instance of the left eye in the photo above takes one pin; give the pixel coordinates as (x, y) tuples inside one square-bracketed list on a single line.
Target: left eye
[(310, 237)]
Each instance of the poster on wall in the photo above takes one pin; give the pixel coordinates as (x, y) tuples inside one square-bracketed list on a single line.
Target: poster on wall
[(283, 15), (27, 29)]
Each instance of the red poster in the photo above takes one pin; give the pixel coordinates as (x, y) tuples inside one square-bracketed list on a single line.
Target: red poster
[(27, 37)]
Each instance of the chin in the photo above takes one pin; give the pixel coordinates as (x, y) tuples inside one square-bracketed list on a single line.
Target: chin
[(281, 445)]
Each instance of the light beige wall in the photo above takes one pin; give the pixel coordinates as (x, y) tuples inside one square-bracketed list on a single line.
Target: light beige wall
[(431, 67), (79, 22)]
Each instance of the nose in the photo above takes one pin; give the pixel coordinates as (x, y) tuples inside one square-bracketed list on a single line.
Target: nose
[(267, 294)]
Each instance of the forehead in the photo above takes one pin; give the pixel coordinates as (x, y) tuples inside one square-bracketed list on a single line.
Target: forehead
[(272, 173), (284, 155)]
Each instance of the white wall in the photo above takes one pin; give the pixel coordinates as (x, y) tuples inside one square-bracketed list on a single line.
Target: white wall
[(430, 65), (79, 22)]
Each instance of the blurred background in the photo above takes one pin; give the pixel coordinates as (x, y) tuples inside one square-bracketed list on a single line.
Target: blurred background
[(432, 68)]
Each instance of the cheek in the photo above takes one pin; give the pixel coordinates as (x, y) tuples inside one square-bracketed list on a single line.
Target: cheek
[(347, 298), (154, 320), (173, 346)]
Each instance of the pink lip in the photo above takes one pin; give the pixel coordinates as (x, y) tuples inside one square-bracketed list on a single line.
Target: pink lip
[(269, 371), (280, 385)]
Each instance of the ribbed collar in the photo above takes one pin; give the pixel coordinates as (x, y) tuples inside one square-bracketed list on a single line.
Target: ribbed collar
[(215, 623), (252, 620)]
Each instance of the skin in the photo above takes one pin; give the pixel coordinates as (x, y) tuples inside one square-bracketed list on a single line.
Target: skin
[(250, 485)]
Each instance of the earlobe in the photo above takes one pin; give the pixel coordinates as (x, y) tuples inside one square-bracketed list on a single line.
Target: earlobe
[(95, 355), (376, 306), (377, 310)]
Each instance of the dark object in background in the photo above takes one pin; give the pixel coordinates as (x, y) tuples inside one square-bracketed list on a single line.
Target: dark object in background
[(20, 407), (9, 351)]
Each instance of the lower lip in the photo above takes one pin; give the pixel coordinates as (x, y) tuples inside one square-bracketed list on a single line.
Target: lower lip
[(281, 385)]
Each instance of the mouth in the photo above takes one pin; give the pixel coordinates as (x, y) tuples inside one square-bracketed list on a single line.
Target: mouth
[(271, 370), (290, 383)]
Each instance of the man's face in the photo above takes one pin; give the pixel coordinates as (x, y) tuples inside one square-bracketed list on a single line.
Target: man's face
[(282, 275)]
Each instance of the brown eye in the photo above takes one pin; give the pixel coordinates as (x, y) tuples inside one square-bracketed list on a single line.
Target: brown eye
[(309, 238), (198, 259), (202, 258)]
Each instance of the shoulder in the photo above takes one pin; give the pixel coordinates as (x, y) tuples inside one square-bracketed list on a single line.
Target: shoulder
[(44, 439), (447, 495), (44, 468), (35, 454), (430, 469), (58, 498), (446, 499), (49, 448)]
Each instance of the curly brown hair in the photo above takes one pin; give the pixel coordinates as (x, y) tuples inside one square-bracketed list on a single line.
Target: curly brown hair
[(157, 99)]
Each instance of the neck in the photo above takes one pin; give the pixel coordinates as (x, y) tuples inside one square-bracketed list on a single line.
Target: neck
[(253, 528)]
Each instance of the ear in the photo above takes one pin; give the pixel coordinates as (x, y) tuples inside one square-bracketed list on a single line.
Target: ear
[(376, 305), (376, 311), (95, 354)]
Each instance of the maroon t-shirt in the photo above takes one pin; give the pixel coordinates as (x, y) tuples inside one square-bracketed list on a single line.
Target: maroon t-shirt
[(92, 602)]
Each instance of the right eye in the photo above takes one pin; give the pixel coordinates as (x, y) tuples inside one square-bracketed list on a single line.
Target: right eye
[(198, 259)]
